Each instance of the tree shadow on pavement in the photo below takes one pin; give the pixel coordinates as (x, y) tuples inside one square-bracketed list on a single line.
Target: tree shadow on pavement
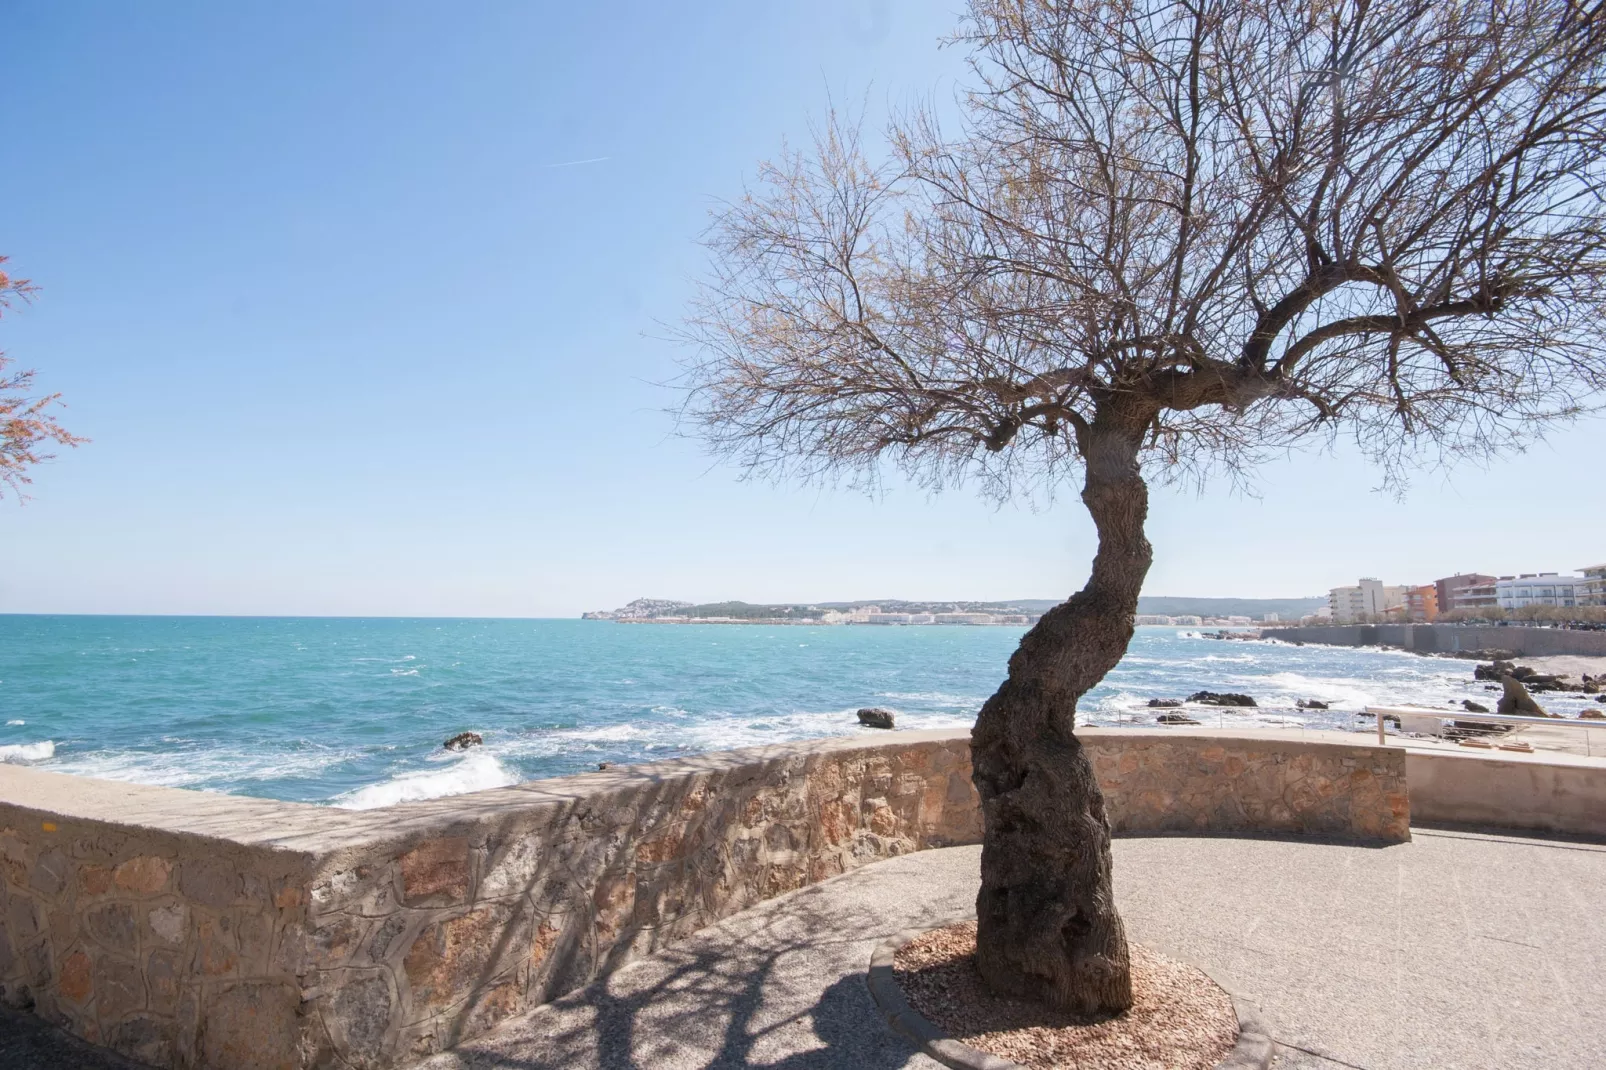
[(743, 993)]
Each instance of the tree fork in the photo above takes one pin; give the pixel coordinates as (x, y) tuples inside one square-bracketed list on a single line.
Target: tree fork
[(1048, 928)]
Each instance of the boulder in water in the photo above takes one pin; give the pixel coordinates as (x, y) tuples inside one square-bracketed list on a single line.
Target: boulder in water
[(1473, 707), (1494, 671), (1310, 704), (1213, 698), (1516, 702), (1592, 715), (876, 717), (463, 741), (1164, 703), (1175, 718)]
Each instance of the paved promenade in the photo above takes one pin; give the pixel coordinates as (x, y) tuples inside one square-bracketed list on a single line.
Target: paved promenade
[(1457, 950)]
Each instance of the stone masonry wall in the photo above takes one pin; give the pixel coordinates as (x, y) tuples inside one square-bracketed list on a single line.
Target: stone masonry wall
[(1156, 781), (190, 930), (412, 950)]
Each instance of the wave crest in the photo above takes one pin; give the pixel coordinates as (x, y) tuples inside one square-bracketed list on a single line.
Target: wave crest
[(23, 753), (476, 771)]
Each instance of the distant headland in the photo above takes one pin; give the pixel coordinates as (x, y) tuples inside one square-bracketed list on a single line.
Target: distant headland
[(901, 611)]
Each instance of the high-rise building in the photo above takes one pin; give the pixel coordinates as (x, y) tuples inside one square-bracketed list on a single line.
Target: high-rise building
[(1540, 589), (1422, 603), (1594, 585), (1368, 599), (1452, 589)]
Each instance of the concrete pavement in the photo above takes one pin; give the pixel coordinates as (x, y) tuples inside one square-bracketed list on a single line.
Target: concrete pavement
[(1458, 950)]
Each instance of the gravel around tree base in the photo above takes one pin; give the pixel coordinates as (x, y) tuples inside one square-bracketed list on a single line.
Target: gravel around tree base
[(1179, 1019)]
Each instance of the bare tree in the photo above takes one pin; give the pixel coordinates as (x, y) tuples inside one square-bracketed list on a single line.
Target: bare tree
[(1169, 238), (26, 420)]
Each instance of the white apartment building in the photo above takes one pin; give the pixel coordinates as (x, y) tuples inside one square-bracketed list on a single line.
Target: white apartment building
[(1152, 618), (1541, 589), (964, 618), (875, 616), (1367, 599), (1594, 585)]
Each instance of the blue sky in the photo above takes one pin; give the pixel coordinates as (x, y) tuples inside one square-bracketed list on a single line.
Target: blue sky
[(352, 332)]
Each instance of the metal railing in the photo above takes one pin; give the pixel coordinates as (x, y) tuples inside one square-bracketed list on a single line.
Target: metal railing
[(1399, 713)]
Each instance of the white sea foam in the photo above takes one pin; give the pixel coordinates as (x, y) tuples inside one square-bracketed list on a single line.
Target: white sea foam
[(191, 766), (941, 697), (10, 724), (22, 753), (475, 771)]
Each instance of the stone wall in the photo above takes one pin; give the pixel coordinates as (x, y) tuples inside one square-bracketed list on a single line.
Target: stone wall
[(1279, 782), (1548, 793), (195, 930), (1453, 638)]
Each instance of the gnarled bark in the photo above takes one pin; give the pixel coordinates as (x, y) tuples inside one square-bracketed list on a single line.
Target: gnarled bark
[(1048, 927)]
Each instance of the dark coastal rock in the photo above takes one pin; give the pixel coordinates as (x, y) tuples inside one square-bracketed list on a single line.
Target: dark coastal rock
[(1164, 703), (876, 717), (1592, 715), (1310, 704), (1175, 718), (1214, 698), (1473, 707), (1494, 670), (1516, 702), (463, 741), (603, 767)]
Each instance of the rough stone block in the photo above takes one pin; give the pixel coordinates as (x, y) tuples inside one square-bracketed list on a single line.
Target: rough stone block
[(48, 875), (212, 883), (360, 1016), (15, 857), (452, 957), (251, 1026), (112, 926), (119, 988), (144, 875), (436, 872), (169, 924), (163, 977), (143, 1038), (76, 982), (94, 880), (215, 953)]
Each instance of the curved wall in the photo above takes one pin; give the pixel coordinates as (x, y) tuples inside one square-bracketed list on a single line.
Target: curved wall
[(189, 929)]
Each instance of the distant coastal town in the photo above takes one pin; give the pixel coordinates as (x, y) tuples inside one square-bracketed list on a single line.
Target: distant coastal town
[(899, 612), (1466, 597)]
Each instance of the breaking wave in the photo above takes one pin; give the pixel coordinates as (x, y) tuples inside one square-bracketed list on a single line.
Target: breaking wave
[(476, 771), (23, 753)]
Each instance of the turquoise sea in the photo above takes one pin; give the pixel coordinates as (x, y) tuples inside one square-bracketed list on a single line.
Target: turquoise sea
[(354, 711)]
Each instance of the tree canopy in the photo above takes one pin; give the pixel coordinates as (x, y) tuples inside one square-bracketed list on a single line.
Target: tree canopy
[(1244, 222), (27, 421)]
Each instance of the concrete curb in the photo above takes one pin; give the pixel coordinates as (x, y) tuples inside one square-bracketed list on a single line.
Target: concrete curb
[(1253, 1051)]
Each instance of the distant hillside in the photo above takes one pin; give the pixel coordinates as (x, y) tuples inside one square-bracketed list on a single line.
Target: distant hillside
[(649, 608), (1286, 608)]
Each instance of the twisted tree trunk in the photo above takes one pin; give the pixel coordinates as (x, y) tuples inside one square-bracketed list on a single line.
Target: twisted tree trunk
[(1048, 927)]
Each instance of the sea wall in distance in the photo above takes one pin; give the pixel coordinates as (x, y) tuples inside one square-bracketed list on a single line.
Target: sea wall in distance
[(196, 930), (1453, 638)]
